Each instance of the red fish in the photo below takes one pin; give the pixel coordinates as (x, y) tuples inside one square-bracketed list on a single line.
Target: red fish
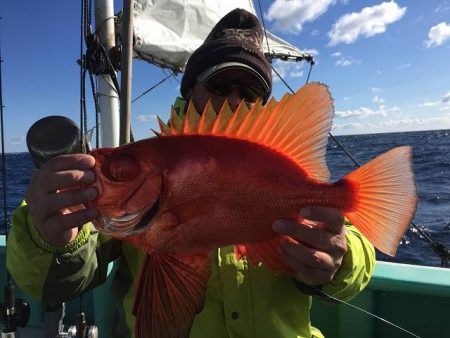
[(211, 181)]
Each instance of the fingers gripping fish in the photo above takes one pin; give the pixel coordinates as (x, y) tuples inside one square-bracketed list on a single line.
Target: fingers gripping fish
[(211, 181)]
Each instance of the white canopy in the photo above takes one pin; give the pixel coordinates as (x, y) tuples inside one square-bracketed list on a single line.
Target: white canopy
[(168, 31)]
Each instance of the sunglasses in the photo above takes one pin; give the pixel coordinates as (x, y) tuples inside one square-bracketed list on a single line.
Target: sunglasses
[(224, 88)]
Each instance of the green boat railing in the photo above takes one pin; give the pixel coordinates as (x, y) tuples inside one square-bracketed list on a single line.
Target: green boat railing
[(416, 298)]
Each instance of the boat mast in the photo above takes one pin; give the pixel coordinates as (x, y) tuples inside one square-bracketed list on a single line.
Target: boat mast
[(126, 71), (108, 97)]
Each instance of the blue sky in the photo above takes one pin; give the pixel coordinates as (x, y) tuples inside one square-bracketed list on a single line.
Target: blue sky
[(386, 64)]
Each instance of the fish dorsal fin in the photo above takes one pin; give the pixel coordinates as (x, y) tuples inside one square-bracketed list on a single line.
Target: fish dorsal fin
[(207, 119), (191, 120), (297, 126)]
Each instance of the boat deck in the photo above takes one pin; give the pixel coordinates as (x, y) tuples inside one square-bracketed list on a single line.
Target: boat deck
[(416, 298)]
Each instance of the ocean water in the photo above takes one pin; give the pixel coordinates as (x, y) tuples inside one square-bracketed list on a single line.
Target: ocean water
[(431, 157)]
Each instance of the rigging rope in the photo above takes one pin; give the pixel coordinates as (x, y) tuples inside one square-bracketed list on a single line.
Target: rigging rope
[(154, 86), (264, 25)]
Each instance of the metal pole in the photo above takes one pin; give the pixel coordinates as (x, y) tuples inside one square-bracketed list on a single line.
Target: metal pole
[(107, 95), (126, 71)]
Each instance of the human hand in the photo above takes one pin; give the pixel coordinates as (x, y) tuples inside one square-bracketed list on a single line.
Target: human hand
[(318, 245), (55, 196)]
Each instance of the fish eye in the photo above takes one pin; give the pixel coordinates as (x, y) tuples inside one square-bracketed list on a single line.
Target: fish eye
[(121, 168)]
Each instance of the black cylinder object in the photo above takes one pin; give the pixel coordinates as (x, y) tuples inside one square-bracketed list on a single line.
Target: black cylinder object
[(52, 136)]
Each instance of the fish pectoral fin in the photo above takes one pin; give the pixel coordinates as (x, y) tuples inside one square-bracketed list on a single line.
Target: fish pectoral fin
[(171, 292)]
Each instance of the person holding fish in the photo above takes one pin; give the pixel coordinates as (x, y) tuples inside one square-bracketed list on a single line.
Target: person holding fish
[(184, 267)]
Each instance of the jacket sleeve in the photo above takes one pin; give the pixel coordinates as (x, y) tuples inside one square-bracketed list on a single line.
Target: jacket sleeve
[(53, 274), (356, 269)]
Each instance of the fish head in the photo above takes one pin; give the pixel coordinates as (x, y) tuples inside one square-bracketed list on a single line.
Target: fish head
[(128, 182)]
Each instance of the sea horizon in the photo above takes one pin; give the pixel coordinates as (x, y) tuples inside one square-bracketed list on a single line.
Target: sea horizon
[(334, 135)]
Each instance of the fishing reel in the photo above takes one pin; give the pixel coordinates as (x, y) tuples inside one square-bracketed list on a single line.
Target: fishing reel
[(79, 330), (13, 313), (52, 136)]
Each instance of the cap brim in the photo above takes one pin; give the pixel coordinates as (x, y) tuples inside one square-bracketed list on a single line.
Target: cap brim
[(212, 71)]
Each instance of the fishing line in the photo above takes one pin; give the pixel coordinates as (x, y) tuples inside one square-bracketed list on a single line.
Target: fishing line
[(320, 291)]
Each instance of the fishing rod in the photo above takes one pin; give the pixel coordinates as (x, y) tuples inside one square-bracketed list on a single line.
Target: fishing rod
[(81, 329), (14, 312), (57, 135)]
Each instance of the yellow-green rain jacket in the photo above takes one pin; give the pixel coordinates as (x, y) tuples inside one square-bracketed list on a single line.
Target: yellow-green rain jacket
[(242, 300)]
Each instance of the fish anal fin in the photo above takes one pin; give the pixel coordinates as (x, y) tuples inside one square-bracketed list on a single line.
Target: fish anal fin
[(385, 198), (266, 253), (170, 293)]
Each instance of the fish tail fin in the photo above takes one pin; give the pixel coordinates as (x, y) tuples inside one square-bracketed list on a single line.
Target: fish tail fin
[(386, 198), (170, 293)]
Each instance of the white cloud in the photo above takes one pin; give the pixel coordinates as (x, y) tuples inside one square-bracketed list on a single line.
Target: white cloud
[(442, 8), (288, 16), (429, 104), (438, 35), (370, 21), (379, 100), (436, 122), (312, 51), (146, 118), (17, 141), (365, 112), (297, 73), (287, 69), (376, 90), (315, 32), (343, 61), (404, 66), (446, 98)]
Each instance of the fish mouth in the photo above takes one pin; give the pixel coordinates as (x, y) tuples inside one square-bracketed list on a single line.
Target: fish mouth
[(130, 223)]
